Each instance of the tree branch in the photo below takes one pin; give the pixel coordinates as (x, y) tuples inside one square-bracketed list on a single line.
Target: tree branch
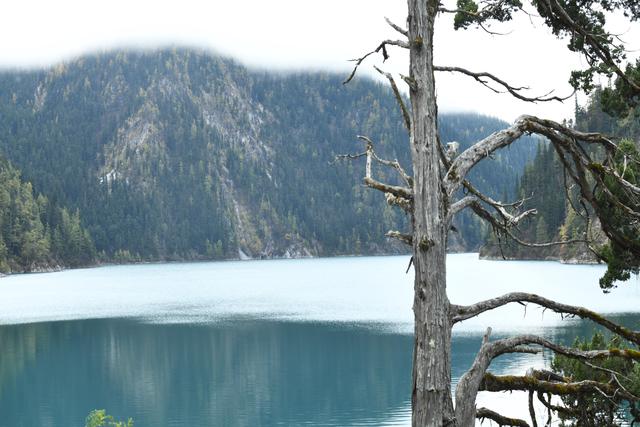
[(382, 47), (532, 410), (505, 228), (508, 344), (495, 383), (469, 384), (482, 77), (554, 408), (460, 205), (404, 238), (501, 420), (460, 313), (601, 51), (580, 167), (473, 200), (391, 163), (476, 378), (396, 195), (396, 92), (397, 27), (396, 190), (462, 164), (558, 134), (603, 171)]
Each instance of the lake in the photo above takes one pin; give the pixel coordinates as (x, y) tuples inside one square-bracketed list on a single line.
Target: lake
[(313, 342)]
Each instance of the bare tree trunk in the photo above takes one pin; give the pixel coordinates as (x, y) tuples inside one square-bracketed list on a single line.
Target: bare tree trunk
[(432, 197), (431, 396)]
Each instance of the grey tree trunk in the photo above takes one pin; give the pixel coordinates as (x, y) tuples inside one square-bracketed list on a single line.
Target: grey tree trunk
[(431, 396), (437, 177)]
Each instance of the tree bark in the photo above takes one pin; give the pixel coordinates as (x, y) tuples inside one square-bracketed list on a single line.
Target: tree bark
[(431, 396), (437, 178)]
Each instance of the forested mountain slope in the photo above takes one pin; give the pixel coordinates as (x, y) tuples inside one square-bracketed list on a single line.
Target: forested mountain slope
[(543, 182), (36, 234), (179, 154)]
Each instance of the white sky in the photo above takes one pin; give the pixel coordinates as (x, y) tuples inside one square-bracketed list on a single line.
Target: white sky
[(294, 35)]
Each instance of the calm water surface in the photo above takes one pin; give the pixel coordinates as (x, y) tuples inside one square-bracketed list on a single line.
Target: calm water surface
[(324, 342)]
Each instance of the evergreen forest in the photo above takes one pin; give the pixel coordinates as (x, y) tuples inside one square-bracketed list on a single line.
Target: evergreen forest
[(178, 154)]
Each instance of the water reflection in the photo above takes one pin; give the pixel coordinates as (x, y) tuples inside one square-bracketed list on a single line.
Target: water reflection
[(293, 368), (240, 373)]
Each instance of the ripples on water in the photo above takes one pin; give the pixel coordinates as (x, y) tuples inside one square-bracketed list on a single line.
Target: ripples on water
[(303, 342)]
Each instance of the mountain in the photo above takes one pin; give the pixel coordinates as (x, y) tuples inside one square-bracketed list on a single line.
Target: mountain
[(180, 154)]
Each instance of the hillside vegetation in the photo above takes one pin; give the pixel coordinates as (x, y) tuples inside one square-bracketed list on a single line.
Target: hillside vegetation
[(179, 154), (560, 215)]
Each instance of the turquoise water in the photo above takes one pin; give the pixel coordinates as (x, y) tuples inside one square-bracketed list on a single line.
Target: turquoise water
[(321, 342)]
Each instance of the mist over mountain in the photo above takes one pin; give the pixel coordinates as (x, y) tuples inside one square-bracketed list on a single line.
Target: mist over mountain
[(178, 154)]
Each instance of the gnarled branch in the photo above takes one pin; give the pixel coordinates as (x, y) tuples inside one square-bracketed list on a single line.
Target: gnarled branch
[(501, 420), (395, 164), (474, 200), (568, 144), (396, 93), (396, 190), (503, 227), (399, 29), (477, 379), (460, 205), (382, 47), (462, 164), (495, 383), (469, 384), (484, 77), (403, 237), (460, 313), (396, 195), (559, 134)]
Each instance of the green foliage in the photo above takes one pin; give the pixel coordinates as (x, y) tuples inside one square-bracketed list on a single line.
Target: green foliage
[(469, 13), (564, 218), (621, 99), (596, 410), (602, 49), (583, 23), (33, 232), (541, 230), (99, 418), (465, 16), (621, 261), (72, 242)]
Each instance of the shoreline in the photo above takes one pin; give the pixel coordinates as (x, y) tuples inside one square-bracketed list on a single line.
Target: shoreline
[(60, 268), (568, 261)]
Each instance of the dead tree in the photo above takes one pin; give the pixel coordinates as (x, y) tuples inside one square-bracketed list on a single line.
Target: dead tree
[(437, 189)]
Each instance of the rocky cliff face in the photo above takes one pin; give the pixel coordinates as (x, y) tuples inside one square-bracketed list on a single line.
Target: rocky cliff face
[(179, 154), (227, 127)]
